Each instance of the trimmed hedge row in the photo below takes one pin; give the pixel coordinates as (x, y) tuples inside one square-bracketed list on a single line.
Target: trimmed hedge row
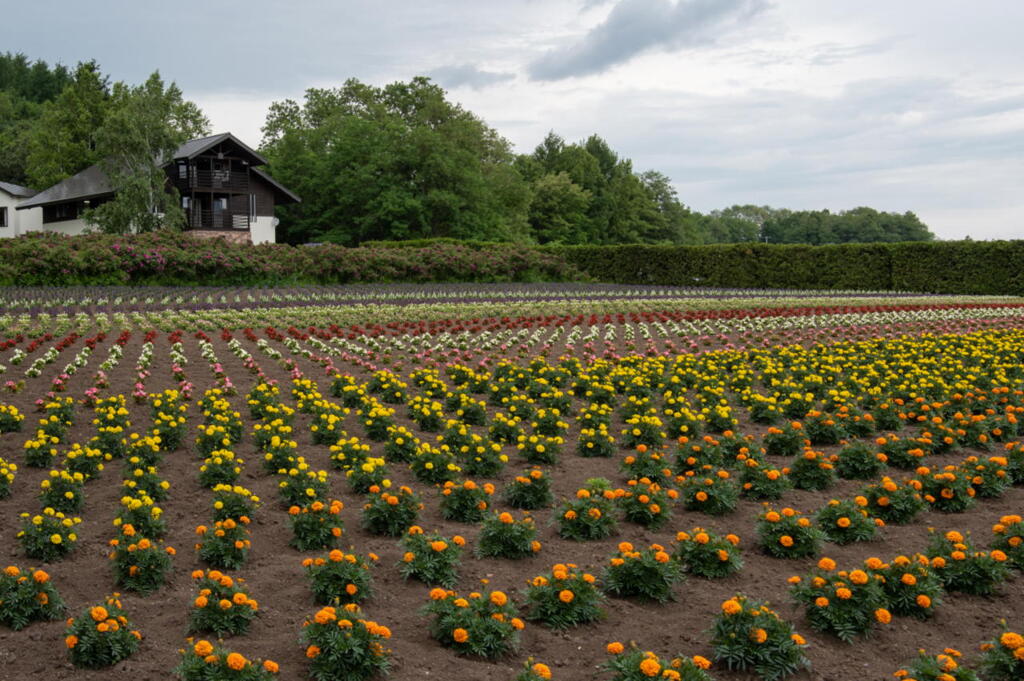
[(948, 267)]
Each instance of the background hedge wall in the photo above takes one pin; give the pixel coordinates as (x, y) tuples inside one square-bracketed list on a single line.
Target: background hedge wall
[(949, 267)]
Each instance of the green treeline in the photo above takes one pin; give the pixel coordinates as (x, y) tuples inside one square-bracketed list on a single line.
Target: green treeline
[(371, 163), (402, 162)]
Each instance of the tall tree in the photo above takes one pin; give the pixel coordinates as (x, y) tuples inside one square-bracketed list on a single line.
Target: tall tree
[(681, 224), (64, 139), (17, 116), (558, 209), (144, 127), (392, 162)]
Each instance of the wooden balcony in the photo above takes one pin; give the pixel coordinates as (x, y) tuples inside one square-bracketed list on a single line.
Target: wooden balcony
[(214, 180), (224, 220)]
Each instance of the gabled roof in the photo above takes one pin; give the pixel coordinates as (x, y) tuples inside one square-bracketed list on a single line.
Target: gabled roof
[(91, 183), (193, 148), (281, 190), (17, 190)]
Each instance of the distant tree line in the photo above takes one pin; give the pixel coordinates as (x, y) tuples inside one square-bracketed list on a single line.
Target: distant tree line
[(381, 163)]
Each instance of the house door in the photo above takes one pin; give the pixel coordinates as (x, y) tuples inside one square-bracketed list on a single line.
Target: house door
[(220, 213)]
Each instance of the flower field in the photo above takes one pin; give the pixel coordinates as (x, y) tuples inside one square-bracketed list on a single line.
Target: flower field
[(510, 482)]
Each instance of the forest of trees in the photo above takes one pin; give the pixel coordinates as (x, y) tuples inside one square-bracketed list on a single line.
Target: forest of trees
[(382, 163)]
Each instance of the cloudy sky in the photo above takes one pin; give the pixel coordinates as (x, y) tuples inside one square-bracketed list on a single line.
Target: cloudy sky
[(900, 105)]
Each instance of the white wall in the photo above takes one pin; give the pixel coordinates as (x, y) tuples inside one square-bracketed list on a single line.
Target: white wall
[(262, 229), (30, 220), (7, 201)]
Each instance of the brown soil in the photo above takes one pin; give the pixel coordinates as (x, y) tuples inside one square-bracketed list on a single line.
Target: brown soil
[(276, 580)]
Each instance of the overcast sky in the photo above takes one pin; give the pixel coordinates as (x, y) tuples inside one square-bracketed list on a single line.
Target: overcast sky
[(896, 104)]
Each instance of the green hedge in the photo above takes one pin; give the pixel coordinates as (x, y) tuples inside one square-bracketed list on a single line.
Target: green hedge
[(948, 267)]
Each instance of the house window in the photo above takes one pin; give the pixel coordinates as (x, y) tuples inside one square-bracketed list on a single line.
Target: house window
[(252, 206), (3, 216), (63, 211), (182, 171)]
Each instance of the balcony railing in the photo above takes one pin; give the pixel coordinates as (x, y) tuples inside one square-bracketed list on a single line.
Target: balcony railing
[(224, 180), (220, 220)]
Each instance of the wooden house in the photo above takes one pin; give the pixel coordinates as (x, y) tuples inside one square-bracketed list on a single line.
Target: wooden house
[(223, 193)]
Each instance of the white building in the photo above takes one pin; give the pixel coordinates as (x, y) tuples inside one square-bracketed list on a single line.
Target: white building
[(12, 222)]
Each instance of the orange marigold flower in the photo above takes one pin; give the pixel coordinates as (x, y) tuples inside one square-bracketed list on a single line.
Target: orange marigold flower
[(236, 661), (614, 648), (498, 598), (271, 666), (566, 596), (203, 648), (1012, 640), (732, 607), (312, 652), (883, 616), (460, 635), (650, 667), (71, 641), (541, 670)]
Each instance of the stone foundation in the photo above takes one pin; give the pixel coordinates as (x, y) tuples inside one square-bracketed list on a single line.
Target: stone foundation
[(239, 236)]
